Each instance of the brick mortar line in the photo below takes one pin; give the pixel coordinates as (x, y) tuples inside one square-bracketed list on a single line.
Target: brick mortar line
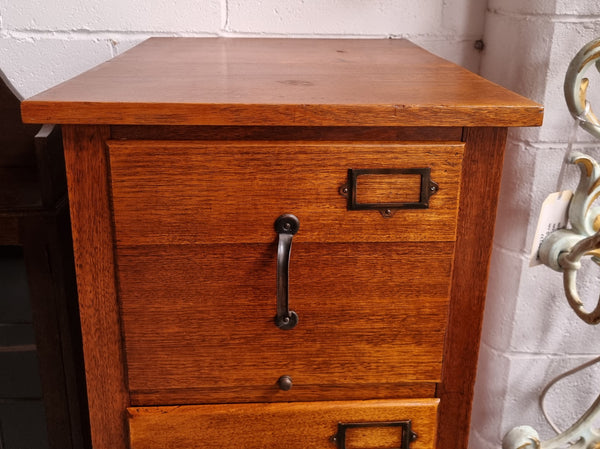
[(556, 18), (522, 355), (83, 34), (521, 254)]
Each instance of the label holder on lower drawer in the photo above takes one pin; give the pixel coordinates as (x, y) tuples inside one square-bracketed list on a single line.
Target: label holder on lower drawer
[(426, 188), (407, 437)]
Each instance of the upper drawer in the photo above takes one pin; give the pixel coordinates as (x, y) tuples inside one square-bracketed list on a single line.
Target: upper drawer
[(232, 192)]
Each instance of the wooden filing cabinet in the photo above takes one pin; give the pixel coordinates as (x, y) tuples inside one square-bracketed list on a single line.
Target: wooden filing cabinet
[(281, 243)]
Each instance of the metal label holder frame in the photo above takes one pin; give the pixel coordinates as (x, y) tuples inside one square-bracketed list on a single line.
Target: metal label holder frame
[(408, 436), (428, 187)]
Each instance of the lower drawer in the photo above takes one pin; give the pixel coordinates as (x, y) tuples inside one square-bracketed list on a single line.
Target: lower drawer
[(316, 425)]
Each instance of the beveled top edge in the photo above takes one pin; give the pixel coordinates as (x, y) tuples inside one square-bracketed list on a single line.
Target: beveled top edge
[(304, 82)]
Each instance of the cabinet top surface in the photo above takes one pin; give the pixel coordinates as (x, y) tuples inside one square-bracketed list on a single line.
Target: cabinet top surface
[(304, 82)]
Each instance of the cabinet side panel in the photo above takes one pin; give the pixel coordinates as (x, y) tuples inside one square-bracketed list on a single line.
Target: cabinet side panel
[(94, 259), (482, 169)]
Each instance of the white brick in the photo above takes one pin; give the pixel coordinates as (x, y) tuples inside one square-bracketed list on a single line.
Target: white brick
[(578, 7), (339, 17), (476, 441), (565, 402), (506, 269), (461, 52), (514, 205), (556, 8), (517, 55), (542, 310), (490, 391), (464, 17), (544, 322), (115, 15), (569, 398), (522, 7), (36, 65)]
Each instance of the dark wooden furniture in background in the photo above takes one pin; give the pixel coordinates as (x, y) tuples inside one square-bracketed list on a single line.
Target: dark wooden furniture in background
[(181, 153), (34, 216)]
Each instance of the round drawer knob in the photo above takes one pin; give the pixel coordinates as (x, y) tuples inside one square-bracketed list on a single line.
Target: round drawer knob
[(285, 383)]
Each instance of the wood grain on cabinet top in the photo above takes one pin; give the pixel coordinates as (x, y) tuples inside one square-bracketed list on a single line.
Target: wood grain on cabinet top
[(297, 82)]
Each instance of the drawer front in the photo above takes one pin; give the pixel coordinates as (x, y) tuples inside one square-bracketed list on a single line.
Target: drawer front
[(200, 320), (365, 425), (223, 192), (197, 286)]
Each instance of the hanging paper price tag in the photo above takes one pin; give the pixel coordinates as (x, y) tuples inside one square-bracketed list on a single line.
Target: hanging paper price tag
[(554, 215)]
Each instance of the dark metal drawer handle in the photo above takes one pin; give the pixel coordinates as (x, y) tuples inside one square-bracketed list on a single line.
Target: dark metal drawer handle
[(286, 226), (407, 437)]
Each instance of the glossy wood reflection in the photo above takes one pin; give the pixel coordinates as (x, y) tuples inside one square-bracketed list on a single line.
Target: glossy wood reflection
[(299, 82), (225, 192), (181, 153), (279, 426), (202, 316)]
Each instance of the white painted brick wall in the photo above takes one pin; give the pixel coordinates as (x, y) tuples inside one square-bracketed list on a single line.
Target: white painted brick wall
[(381, 17), (529, 333), (45, 42), (113, 15)]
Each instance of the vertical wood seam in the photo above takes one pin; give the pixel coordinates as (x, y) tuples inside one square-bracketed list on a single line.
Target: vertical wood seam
[(116, 277)]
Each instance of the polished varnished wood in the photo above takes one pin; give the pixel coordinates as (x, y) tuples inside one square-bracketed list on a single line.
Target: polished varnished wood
[(225, 192), (309, 133), (94, 259), (388, 188), (280, 426), (168, 221), (482, 169), (270, 393), (197, 145), (327, 82), (369, 314)]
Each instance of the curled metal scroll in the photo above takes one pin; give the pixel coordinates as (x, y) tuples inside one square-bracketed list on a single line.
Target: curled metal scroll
[(576, 86), (581, 435), (570, 262), (563, 250)]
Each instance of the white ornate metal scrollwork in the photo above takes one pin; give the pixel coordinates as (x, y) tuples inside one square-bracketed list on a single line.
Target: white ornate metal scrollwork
[(563, 250), (576, 86)]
